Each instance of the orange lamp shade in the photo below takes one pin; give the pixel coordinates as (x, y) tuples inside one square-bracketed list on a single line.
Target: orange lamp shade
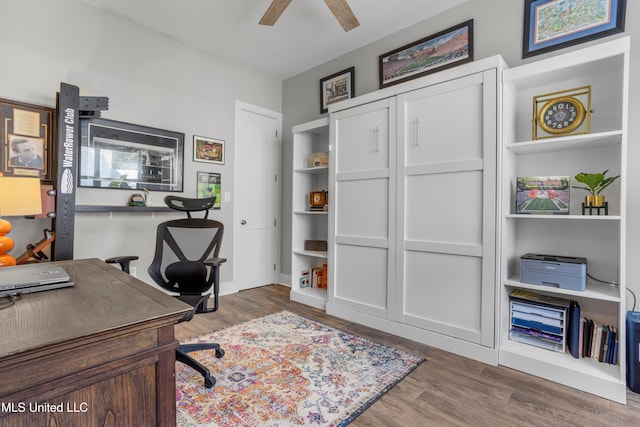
[(20, 196)]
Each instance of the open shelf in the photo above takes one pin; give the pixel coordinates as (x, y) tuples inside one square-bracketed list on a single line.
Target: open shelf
[(565, 217), (583, 365), (599, 291), (313, 170), (313, 254), (135, 209), (313, 297), (574, 142)]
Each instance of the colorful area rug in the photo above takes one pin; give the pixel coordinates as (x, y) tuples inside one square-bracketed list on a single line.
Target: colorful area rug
[(286, 370)]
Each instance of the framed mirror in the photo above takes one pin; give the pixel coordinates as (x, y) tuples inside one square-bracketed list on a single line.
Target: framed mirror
[(122, 155)]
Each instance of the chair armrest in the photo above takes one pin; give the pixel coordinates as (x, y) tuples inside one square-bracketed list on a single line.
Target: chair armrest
[(214, 262), (123, 260)]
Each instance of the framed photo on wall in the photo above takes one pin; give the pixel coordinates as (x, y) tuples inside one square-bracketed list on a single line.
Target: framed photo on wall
[(119, 155), (208, 185), (27, 140), (337, 87), (437, 52), (551, 24), (208, 150)]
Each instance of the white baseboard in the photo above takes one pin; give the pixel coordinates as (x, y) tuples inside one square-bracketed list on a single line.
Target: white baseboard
[(285, 280)]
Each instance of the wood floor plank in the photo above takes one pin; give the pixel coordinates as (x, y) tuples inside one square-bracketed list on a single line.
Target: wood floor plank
[(445, 390)]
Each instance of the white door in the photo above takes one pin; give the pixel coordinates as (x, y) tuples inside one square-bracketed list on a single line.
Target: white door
[(256, 241)]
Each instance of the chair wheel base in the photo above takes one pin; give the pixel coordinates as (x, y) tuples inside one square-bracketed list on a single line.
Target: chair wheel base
[(209, 382), (219, 353)]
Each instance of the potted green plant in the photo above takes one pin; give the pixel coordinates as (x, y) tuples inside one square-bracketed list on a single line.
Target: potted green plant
[(595, 183)]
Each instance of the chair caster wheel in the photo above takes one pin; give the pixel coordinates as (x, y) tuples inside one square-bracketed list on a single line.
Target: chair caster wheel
[(209, 382), (219, 353)]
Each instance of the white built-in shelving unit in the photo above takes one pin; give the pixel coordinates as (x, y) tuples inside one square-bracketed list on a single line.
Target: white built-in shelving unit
[(311, 137), (600, 239)]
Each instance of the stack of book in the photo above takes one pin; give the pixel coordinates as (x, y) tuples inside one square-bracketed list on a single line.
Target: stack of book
[(315, 277), (539, 320), (598, 341)]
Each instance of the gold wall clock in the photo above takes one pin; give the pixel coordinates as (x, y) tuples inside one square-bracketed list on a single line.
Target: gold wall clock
[(562, 113)]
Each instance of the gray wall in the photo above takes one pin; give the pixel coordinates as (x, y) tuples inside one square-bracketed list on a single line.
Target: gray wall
[(150, 80), (498, 29)]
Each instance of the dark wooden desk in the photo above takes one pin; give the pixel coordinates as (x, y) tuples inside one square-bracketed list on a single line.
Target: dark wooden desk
[(101, 353)]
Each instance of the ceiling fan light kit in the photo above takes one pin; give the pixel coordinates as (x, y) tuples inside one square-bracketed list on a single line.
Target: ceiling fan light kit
[(339, 8)]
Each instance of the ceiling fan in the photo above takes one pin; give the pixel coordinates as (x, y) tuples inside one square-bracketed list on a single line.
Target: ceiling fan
[(339, 8)]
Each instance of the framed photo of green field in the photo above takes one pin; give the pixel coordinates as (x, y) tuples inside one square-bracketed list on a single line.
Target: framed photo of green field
[(543, 195), (446, 49)]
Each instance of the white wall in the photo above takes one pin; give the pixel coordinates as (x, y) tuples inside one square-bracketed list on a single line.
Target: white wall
[(150, 80), (498, 29)]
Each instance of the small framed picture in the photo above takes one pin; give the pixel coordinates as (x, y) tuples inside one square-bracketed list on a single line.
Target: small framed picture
[(537, 195), (553, 24), (27, 140), (337, 87), (437, 52), (208, 185), (208, 150)]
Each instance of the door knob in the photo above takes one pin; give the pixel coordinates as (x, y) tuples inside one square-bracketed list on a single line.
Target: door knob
[(243, 222)]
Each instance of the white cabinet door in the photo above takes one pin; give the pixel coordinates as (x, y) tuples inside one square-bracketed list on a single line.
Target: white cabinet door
[(446, 216), (363, 138), (363, 207)]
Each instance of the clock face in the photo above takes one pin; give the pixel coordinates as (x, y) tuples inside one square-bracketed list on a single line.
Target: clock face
[(561, 115), (317, 198)]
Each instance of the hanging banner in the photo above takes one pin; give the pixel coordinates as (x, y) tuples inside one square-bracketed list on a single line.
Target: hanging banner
[(68, 143)]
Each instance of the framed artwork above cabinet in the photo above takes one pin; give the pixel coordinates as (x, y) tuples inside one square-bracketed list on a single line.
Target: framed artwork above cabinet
[(550, 24)]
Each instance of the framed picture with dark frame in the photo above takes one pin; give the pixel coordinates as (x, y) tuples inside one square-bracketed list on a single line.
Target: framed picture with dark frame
[(127, 156), (337, 87), (437, 52), (27, 140), (208, 150), (209, 185), (550, 24)]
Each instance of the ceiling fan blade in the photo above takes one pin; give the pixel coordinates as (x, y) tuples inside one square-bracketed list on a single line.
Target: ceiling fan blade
[(273, 13), (343, 14)]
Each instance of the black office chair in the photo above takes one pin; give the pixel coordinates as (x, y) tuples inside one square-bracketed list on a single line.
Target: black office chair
[(190, 268)]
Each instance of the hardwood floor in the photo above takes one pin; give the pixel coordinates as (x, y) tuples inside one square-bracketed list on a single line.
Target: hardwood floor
[(447, 389)]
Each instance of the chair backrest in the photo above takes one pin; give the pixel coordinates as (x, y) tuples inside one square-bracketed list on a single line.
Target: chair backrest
[(186, 240)]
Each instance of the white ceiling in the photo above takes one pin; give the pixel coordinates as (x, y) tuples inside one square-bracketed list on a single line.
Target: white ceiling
[(306, 35)]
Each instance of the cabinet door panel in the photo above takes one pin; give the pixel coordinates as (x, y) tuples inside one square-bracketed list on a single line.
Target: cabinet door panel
[(447, 202), (363, 171), (363, 135), (441, 293), (442, 122), (363, 209), (444, 207), (363, 274)]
